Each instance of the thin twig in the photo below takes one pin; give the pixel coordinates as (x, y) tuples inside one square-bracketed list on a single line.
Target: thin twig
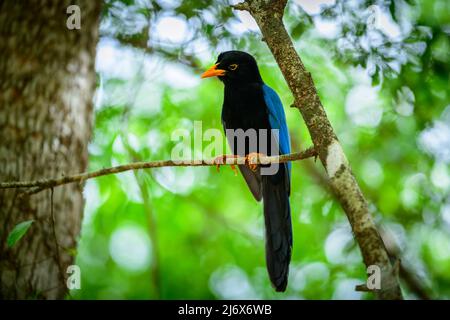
[(151, 221), (41, 184)]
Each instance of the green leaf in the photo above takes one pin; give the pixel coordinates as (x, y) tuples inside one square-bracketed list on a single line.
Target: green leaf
[(18, 232)]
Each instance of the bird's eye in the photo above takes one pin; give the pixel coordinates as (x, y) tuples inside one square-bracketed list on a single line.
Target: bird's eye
[(233, 66)]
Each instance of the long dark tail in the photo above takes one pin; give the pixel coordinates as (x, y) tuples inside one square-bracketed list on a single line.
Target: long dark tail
[(277, 215)]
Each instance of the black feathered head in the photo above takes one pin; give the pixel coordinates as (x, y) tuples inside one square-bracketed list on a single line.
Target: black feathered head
[(235, 67)]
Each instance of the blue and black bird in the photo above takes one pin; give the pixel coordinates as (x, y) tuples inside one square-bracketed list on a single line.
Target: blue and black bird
[(250, 104)]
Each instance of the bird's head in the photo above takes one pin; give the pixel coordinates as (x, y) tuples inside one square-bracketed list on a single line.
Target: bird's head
[(234, 67)]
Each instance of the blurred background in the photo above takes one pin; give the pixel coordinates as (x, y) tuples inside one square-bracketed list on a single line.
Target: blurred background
[(382, 71)]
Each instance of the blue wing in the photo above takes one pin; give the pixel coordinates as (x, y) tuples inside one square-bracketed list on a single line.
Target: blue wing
[(277, 120)]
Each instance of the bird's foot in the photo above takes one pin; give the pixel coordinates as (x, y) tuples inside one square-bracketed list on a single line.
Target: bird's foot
[(222, 159), (251, 159)]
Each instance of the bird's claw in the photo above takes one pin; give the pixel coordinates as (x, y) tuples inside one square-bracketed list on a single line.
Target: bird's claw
[(233, 167), (222, 159), (250, 159), (219, 160)]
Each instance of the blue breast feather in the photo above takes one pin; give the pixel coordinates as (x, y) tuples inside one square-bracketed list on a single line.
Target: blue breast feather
[(277, 120)]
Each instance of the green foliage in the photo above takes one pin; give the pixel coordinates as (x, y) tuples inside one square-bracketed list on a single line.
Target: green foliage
[(18, 232), (186, 233)]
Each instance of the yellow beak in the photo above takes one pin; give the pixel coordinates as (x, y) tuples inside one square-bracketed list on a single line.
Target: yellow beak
[(213, 72)]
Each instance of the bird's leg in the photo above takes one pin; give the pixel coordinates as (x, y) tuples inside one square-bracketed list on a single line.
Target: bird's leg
[(222, 159), (250, 159)]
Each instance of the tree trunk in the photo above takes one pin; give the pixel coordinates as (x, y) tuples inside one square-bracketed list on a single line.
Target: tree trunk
[(47, 82)]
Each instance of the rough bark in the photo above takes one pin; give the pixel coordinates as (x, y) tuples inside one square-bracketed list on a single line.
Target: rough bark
[(269, 17), (47, 81)]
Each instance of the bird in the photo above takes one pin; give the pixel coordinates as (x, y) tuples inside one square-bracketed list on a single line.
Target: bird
[(249, 103)]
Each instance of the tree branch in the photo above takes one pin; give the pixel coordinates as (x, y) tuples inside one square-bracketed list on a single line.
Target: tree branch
[(268, 15), (42, 184), (178, 56)]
